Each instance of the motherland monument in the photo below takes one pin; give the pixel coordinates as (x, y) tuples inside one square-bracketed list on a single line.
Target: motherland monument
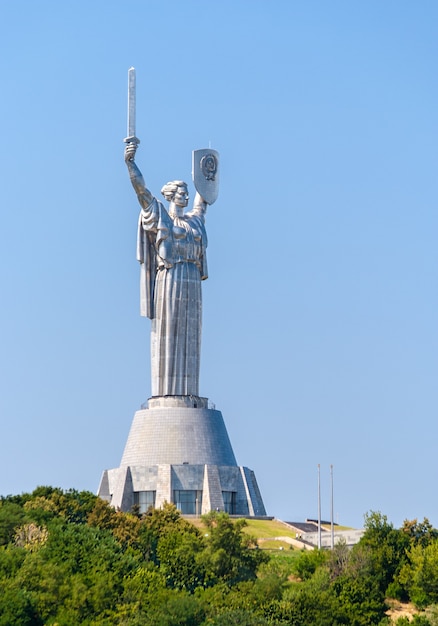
[(178, 449)]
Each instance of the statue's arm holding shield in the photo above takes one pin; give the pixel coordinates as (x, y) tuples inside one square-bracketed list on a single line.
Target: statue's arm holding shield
[(199, 206)]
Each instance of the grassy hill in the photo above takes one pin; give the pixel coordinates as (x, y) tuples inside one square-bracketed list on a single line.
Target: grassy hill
[(271, 534)]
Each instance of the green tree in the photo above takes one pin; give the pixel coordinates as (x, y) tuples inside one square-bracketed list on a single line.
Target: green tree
[(77, 574), (180, 609), (312, 602), (178, 555), (157, 523), (421, 533), (386, 548), (308, 562), (420, 575), (417, 620), (11, 560), (238, 617), (72, 505), (230, 555), (12, 515), (16, 607)]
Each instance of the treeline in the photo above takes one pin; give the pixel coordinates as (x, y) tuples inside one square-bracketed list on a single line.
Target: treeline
[(67, 558)]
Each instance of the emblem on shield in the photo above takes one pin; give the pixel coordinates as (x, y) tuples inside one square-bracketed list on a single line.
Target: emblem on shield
[(205, 173)]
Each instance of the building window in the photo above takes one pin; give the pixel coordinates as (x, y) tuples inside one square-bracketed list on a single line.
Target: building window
[(189, 502), (229, 498), (144, 500)]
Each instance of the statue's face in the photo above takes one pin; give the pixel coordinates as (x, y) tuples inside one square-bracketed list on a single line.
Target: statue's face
[(181, 197)]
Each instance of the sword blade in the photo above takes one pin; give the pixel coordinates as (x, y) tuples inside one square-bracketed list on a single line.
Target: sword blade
[(131, 102)]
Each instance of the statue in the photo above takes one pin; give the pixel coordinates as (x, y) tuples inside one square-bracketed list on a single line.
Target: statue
[(171, 249), (178, 449)]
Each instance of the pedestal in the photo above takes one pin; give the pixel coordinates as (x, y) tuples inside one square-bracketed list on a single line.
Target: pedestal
[(178, 450)]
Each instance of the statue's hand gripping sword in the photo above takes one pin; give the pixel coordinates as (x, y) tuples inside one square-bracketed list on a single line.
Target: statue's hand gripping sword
[(131, 138)]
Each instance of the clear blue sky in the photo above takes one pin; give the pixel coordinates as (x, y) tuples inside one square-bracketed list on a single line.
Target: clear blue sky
[(320, 336)]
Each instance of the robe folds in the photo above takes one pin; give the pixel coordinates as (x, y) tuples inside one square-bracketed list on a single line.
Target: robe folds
[(172, 254)]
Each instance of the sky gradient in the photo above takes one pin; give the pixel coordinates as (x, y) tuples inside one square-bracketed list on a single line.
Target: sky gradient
[(320, 340)]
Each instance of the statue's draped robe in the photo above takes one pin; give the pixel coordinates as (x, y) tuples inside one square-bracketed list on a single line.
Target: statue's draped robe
[(172, 253)]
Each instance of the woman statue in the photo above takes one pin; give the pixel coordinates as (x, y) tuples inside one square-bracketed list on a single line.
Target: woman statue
[(172, 252)]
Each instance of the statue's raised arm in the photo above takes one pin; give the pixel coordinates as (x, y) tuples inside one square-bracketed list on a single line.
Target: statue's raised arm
[(143, 194)]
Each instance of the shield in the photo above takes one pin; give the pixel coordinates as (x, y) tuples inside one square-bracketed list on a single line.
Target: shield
[(205, 173)]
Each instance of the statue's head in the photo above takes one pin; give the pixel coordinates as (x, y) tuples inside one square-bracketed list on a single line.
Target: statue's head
[(176, 192)]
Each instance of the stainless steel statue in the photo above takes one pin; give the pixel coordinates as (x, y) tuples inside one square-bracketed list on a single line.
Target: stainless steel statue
[(172, 252), (178, 449)]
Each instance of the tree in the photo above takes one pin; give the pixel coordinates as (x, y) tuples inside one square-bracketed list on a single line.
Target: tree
[(311, 602), (77, 574), (30, 536), (420, 575), (421, 533), (386, 548), (158, 522), (180, 609), (230, 555), (308, 561), (12, 515), (16, 607), (238, 617), (178, 555)]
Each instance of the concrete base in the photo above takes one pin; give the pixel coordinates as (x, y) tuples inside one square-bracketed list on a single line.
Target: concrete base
[(178, 450)]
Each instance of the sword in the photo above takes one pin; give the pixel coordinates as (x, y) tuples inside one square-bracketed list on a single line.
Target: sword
[(131, 138)]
